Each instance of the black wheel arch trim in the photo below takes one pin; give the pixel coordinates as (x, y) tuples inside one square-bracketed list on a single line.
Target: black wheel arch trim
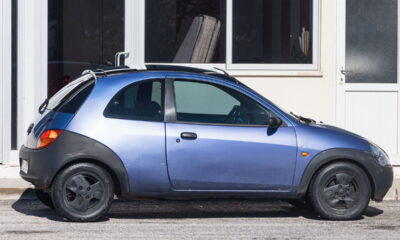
[(380, 177), (70, 148)]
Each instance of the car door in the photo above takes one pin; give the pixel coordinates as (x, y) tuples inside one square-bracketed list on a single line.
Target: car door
[(131, 123), (219, 139)]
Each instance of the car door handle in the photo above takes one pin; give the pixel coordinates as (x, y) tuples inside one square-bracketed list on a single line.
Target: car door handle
[(188, 136)]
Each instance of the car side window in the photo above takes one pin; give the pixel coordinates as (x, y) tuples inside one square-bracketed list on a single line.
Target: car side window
[(139, 101), (201, 102)]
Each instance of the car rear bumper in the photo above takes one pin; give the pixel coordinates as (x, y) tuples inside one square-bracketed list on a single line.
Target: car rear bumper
[(40, 170), (67, 149)]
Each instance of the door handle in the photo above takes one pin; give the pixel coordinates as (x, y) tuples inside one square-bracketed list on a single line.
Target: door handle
[(344, 72), (188, 135)]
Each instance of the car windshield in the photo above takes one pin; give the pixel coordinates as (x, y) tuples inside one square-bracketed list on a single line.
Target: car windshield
[(61, 94)]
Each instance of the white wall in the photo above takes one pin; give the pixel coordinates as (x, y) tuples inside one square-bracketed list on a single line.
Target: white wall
[(32, 61), (311, 94), (5, 79)]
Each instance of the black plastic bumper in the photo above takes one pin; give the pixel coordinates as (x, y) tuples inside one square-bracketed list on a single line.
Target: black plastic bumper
[(68, 148), (40, 169), (383, 180)]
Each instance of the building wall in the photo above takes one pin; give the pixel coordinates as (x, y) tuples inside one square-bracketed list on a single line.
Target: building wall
[(5, 78)]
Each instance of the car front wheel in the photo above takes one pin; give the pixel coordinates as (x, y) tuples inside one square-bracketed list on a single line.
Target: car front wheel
[(340, 191), (83, 192)]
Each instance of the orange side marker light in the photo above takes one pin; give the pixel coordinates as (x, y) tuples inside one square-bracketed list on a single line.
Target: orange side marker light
[(305, 154)]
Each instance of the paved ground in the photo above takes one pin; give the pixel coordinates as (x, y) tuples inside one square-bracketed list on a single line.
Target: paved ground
[(27, 218)]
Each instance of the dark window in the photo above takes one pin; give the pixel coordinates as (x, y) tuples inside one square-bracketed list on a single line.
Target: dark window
[(185, 31), (371, 41), (208, 103), (76, 99), (82, 34), (272, 31), (140, 101), (69, 90)]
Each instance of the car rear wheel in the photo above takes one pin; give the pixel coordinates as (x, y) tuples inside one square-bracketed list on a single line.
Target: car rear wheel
[(44, 197), (340, 191), (83, 192)]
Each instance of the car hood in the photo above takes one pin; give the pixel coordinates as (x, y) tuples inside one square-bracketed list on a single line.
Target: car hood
[(339, 130), (320, 137)]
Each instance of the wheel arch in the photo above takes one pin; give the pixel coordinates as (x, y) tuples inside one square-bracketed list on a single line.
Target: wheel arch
[(71, 148), (360, 158), (118, 184)]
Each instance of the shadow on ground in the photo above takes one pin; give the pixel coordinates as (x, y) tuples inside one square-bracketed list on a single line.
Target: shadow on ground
[(175, 209)]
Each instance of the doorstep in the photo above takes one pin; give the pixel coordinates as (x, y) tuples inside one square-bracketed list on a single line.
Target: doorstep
[(12, 183)]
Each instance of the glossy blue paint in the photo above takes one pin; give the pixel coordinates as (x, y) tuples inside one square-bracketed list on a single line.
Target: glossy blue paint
[(231, 157), (139, 144), (222, 158), (48, 120), (317, 138)]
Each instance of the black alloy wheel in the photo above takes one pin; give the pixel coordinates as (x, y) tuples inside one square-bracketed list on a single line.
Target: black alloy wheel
[(83, 192), (340, 191)]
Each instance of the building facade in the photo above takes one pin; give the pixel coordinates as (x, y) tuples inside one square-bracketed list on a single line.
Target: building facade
[(332, 60)]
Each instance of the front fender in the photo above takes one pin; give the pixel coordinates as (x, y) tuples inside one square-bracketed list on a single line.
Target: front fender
[(381, 178)]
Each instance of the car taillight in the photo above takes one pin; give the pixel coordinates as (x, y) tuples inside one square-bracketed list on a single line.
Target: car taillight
[(48, 137)]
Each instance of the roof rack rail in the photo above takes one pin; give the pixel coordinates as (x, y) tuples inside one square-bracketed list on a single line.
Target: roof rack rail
[(88, 71), (224, 74), (104, 72)]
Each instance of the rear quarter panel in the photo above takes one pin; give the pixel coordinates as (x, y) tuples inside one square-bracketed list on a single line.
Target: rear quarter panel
[(139, 144)]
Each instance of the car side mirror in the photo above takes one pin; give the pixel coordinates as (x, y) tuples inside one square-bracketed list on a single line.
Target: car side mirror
[(274, 122)]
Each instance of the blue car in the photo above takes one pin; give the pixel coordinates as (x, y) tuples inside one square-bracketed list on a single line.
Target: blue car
[(187, 133)]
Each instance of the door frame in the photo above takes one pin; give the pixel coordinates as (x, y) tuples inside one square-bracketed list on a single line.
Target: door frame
[(342, 87), (5, 79)]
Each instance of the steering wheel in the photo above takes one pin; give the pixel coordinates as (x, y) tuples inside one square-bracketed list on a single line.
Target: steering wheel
[(233, 114)]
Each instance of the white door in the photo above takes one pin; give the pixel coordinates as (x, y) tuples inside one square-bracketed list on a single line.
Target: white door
[(368, 98)]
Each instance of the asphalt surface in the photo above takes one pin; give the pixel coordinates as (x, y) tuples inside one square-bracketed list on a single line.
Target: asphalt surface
[(27, 218)]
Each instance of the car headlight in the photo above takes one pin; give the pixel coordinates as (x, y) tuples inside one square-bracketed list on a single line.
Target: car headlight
[(380, 155)]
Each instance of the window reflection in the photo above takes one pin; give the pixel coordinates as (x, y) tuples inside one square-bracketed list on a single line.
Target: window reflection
[(272, 31), (185, 31), (82, 34)]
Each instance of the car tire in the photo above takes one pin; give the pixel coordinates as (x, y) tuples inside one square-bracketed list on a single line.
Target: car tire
[(44, 197), (340, 191), (83, 192)]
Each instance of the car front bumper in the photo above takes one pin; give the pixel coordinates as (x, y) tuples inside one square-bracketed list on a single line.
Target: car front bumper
[(383, 180)]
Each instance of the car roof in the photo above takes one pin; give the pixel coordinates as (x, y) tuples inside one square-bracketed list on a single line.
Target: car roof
[(113, 71)]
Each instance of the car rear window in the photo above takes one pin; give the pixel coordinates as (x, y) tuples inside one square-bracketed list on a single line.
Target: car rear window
[(74, 102), (71, 97)]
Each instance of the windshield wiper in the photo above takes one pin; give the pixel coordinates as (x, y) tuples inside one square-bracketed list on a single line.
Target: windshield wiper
[(304, 119), (43, 106)]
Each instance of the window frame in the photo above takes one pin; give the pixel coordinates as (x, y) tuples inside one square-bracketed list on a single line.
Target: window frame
[(171, 109), (135, 26), (163, 99)]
